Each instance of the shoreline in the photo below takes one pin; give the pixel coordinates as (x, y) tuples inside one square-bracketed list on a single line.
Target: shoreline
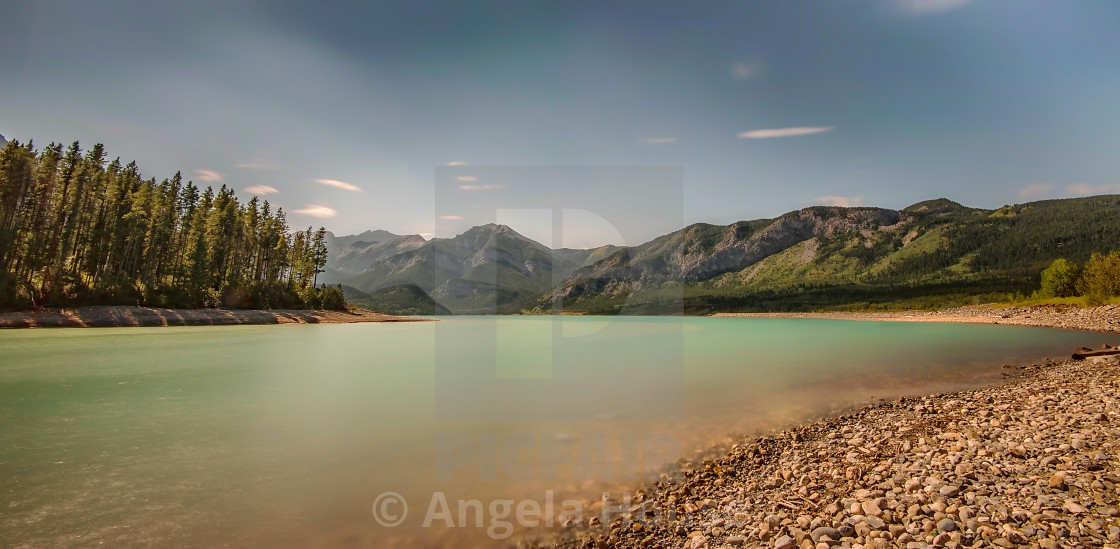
[(1029, 461), (1033, 462), (1043, 444), (101, 316), (1105, 318)]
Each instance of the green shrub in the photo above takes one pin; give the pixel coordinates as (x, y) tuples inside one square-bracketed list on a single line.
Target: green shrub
[(1060, 279), (331, 298), (1100, 278)]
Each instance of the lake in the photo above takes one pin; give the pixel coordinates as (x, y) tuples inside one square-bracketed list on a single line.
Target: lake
[(288, 436)]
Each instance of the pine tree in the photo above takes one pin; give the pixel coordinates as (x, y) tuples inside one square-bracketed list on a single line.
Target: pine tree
[(75, 230)]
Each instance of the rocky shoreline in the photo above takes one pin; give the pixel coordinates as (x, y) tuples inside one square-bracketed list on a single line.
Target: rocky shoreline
[(1031, 463), (110, 316), (1105, 318)]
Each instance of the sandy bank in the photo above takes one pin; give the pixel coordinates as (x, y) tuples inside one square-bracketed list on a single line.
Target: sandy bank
[(1095, 319), (153, 316)]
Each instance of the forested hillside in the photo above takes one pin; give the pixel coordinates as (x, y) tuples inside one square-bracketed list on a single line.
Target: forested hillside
[(929, 255), (404, 299), (78, 230)]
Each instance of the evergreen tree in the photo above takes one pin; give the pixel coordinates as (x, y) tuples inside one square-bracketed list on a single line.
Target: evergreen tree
[(76, 230)]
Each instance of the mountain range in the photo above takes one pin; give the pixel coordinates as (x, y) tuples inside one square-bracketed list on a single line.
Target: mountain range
[(933, 253), (348, 256), (487, 269)]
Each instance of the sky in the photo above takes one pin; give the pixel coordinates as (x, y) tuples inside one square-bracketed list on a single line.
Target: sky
[(365, 115)]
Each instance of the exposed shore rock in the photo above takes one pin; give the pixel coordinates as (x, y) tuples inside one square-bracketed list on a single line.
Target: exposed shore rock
[(1105, 318), (108, 316), (1032, 463)]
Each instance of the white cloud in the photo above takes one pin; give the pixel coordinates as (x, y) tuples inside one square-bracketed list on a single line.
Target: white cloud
[(466, 178), (924, 7), (209, 176), (747, 70), (842, 201), (784, 132), (658, 140), (457, 163), (261, 190), (451, 217), (311, 210), (1085, 189), (1035, 190), (339, 185), (258, 163), (480, 187)]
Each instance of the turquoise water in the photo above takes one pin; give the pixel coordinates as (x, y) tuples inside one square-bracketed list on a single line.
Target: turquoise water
[(284, 435)]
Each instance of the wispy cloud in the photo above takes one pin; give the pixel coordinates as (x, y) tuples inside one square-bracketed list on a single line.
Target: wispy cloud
[(1085, 189), (842, 201), (258, 163), (466, 178), (1035, 190), (480, 187), (209, 176), (457, 163), (747, 70), (312, 210), (451, 217), (658, 140), (339, 185), (261, 190), (784, 132), (924, 7)]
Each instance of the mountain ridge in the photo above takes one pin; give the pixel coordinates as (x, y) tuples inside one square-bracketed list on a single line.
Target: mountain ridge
[(350, 255), (933, 252), (814, 257), (485, 270)]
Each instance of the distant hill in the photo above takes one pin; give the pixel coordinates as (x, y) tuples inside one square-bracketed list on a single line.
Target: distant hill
[(486, 270), (937, 205), (929, 254), (348, 256), (406, 299), (3, 141)]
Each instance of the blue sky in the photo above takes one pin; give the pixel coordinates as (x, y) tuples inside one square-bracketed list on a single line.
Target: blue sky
[(344, 112)]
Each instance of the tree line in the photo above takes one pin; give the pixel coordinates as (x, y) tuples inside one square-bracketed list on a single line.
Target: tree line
[(78, 230)]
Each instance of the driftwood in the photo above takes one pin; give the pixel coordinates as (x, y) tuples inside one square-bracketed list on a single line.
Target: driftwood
[(1082, 353)]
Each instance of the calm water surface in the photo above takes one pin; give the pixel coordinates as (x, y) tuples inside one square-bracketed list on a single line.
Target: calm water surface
[(285, 435)]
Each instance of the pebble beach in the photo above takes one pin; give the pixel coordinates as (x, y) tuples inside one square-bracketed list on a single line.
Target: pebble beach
[(1030, 462), (1105, 318), (117, 316)]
